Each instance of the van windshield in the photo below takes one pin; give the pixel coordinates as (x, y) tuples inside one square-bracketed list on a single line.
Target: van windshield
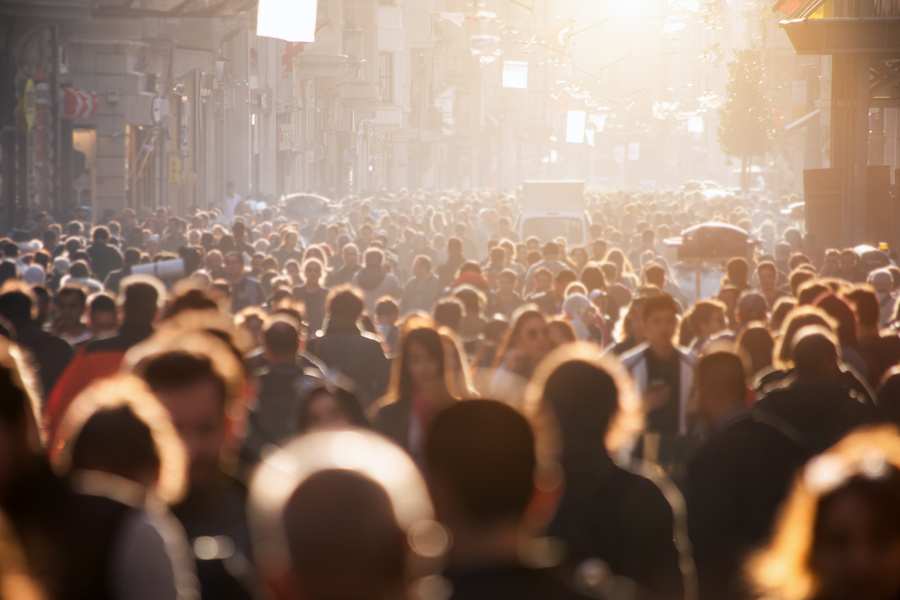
[(548, 228)]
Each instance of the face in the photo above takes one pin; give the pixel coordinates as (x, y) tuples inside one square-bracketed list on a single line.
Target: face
[(543, 282), (853, 556), (767, 278), (424, 369), (104, 321), (313, 272), (660, 327), (351, 256), (534, 338), (507, 284), (213, 261), (196, 411), (256, 263), (324, 412), (832, 262), (233, 267), (69, 308)]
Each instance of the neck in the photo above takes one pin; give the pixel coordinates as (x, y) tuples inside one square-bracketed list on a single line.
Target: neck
[(476, 547), (662, 350)]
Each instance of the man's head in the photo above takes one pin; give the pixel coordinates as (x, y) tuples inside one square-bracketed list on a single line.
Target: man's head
[(752, 306), (345, 303), (816, 355), (70, 303), (721, 385), (140, 298), (660, 321), (550, 251), (328, 522), (234, 266), (655, 275), (543, 280), (481, 461), (738, 271), (422, 266), (196, 394), (767, 274), (374, 258), (350, 255), (100, 234), (102, 314), (281, 340)]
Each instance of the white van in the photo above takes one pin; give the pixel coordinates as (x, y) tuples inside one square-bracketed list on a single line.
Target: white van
[(552, 209)]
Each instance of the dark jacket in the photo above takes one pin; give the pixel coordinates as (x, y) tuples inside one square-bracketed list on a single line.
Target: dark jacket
[(447, 271), (274, 417), (820, 412), (515, 582), (104, 259), (622, 518), (50, 354), (342, 276), (735, 483), (376, 283), (114, 279), (345, 349)]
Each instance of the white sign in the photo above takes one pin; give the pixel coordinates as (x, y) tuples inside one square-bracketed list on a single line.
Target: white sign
[(575, 126), (515, 74), (619, 154), (289, 20), (634, 151)]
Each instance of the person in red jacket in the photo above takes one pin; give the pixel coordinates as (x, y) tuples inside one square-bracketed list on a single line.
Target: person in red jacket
[(101, 357)]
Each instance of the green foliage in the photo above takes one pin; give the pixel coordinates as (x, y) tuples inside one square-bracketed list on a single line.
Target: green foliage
[(746, 126)]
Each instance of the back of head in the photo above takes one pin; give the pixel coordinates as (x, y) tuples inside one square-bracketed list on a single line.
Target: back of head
[(345, 303), (481, 455), (815, 353), (281, 337), (141, 299), (752, 306), (115, 440), (16, 305), (344, 541), (721, 375)]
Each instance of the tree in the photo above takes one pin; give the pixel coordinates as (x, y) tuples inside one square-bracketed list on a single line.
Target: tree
[(746, 126)]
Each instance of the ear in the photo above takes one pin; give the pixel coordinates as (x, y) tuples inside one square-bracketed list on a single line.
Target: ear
[(545, 497)]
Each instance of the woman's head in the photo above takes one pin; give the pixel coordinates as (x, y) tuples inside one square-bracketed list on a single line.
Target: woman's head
[(330, 405), (529, 334), (839, 533)]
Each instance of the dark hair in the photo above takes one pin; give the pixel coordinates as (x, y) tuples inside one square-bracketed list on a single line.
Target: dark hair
[(865, 301), (722, 373), (759, 345), (115, 440), (100, 234), (102, 302), (655, 275), (345, 302), (659, 303), (179, 368), (449, 313), (281, 336), (73, 290), (141, 301), (339, 522), (484, 451), (387, 306), (343, 391)]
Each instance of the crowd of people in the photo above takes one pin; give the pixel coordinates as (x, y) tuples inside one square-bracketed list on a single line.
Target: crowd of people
[(405, 399)]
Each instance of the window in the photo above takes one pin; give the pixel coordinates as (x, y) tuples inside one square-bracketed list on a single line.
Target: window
[(386, 76)]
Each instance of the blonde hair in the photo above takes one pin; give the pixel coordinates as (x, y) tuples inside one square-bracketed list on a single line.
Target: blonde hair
[(782, 568)]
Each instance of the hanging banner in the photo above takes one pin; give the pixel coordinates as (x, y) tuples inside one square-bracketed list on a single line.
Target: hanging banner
[(575, 121), (289, 20), (27, 106), (174, 169)]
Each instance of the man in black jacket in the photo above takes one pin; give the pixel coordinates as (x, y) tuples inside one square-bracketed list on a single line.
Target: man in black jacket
[(738, 477), (483, 475), (345, 349), (104, 258)]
